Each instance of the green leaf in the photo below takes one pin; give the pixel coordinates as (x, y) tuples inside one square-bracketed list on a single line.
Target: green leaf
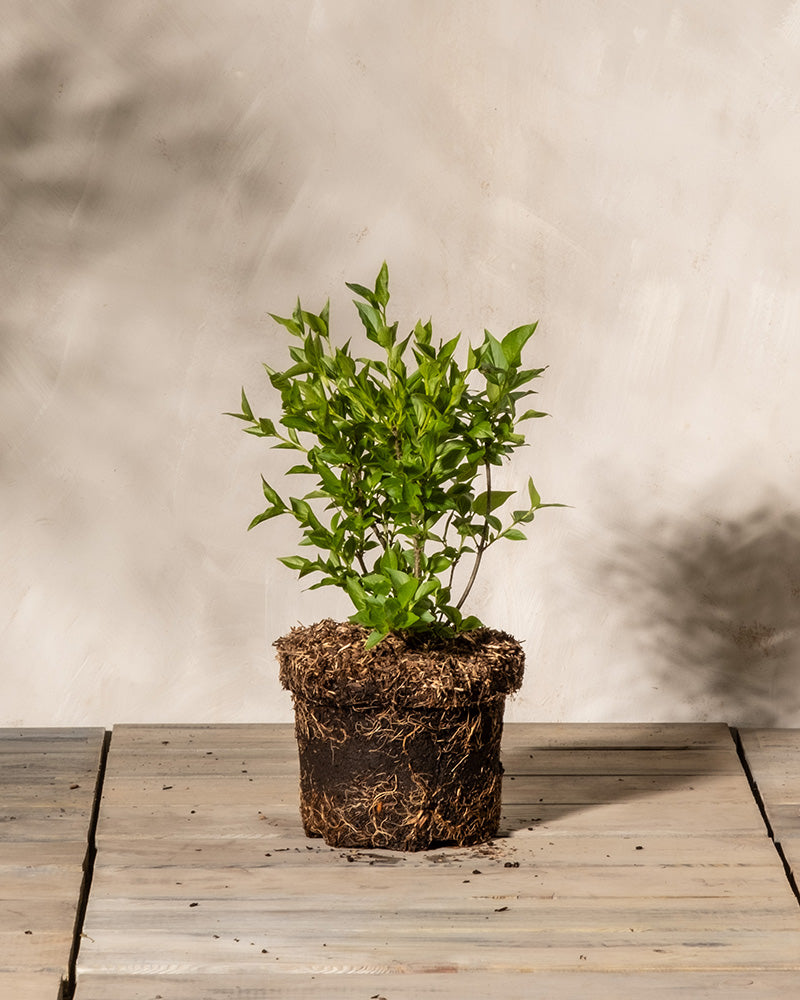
[(373, 323), (514, 534), (498, 498), (363, 291), (294, 562), (376, 583), (420, 404), (246, 410), (447, 350), (515, 340), (532, 413), (316, 323), (423, 334), (356, 593), (482, 431), (425, 588), (271, 494), (496, 351), (399, 578), (290, 324), (266, 515), (267, 428), (374, 638), (536, 500), (406, 594), (439, 563), (389, 560), (382, 286)]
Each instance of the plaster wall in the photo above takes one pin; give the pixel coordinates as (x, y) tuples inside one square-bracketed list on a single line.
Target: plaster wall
[(624, 173)]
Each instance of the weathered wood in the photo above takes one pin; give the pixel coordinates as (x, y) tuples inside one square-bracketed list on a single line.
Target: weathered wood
[(612, 735), (529, 760), (456, 887), (773, 757), (48, 783), (571, 849), (633, 850), (476, 949), (443, 985), (30, 985)]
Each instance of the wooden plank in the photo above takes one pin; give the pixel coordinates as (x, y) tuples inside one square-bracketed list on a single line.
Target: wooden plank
[(61, 739), (610, 735), (303, 952), (571, 789), (584, 789), (50, 914), (48, 783), (45, 770), (41, 854), (54, 883), (150, 737), (667, 985), (775, 738), (532, 760), (625, 817), (30, 985), (295, 887), (773, 757), (784, 818), (565, 849), (624, 849)]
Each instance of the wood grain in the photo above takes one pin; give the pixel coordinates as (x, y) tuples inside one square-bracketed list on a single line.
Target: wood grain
[(48, 784), (585, 985), (632, 860), (773, 757)]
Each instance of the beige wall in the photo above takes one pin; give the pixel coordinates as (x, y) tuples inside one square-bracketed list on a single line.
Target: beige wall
[(625, 173)]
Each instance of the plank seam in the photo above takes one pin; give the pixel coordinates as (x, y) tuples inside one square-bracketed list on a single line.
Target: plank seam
[(787, 868), (69, 985)]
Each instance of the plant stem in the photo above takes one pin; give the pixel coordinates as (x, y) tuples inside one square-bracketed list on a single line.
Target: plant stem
[(484, 535), (418, 545)]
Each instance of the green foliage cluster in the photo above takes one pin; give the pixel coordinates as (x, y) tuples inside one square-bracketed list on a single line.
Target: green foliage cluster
[(401, 457)]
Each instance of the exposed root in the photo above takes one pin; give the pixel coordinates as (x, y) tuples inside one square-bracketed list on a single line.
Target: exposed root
[(400, 781), (399, 745), (327, 663)]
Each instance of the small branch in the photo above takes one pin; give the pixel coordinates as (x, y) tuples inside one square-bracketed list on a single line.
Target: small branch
[(383, 540), (356, 478), (418, 546), (484, 536), (449, 521)]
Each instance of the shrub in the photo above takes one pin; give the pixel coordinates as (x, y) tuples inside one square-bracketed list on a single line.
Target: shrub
[(401, 456)]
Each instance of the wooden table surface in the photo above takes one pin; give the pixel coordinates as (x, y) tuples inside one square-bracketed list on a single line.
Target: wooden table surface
[(632, 861), (48, 786)]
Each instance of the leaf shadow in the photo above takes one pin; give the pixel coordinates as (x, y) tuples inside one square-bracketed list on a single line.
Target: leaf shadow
[(545, 785), (715, 604)]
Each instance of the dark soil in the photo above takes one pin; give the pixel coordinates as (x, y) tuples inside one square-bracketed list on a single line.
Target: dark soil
[(327, 663), (399, 746)]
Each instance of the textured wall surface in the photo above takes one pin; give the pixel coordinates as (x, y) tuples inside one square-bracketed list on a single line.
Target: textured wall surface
[(625, 173)]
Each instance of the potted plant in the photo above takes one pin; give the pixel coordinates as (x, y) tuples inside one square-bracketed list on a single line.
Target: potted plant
[(399, 710)]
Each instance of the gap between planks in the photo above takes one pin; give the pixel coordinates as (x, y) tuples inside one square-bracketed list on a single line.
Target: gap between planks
[(672, 759)]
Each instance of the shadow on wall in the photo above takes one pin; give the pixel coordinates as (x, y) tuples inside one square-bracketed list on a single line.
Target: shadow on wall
[(717, 602)]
